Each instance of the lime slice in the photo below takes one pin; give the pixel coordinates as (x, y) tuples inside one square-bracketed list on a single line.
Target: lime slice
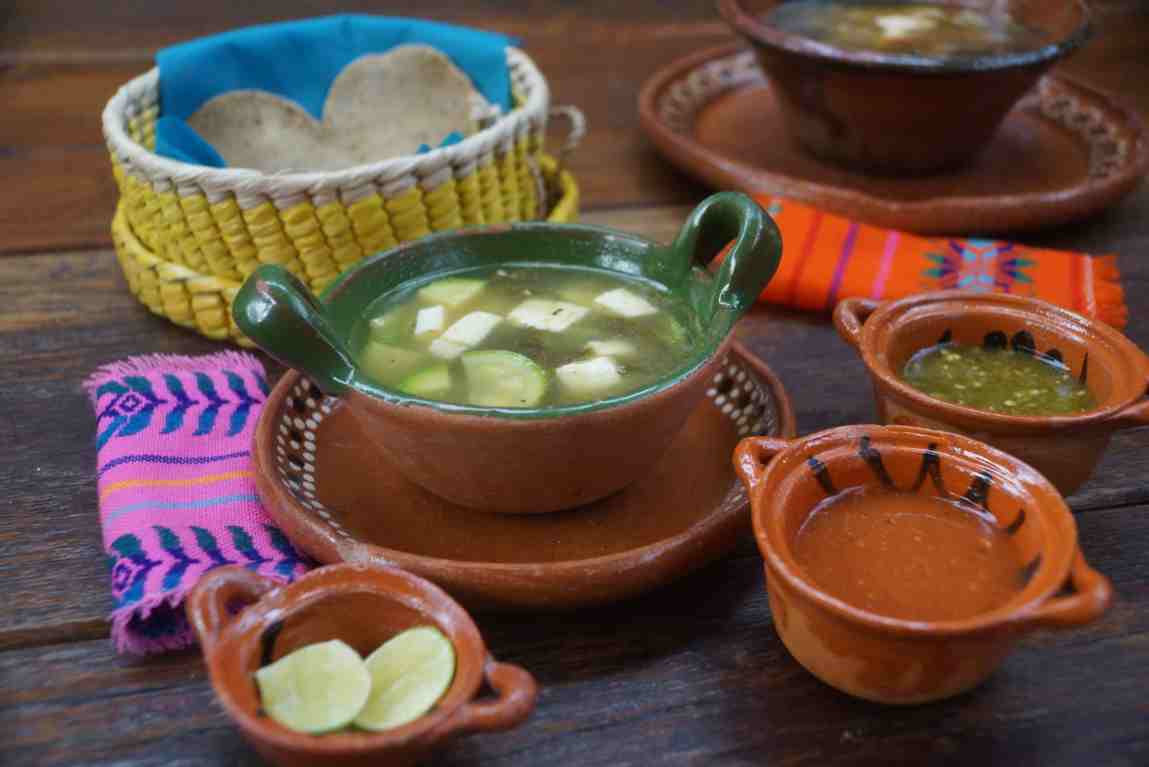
[(317, 688), (503, 379), (409, 673)]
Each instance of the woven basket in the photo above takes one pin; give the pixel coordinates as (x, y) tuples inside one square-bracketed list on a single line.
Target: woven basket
[(202, 301), (224, 222)]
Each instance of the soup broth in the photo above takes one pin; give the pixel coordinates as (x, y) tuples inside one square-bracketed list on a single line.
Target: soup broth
[(1000, 380), (921, 29), (908, 556), (525, 336)]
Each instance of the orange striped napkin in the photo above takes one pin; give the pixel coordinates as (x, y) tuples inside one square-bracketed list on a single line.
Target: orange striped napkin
[(826, 258)]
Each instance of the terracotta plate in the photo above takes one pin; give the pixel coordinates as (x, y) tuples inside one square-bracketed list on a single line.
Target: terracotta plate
[(339, 500), (1065, 152)]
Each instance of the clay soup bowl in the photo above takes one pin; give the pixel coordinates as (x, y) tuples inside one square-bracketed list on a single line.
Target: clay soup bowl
[(902, 114), (1064, 448), (891, 660), (363, 605), (523, 460)]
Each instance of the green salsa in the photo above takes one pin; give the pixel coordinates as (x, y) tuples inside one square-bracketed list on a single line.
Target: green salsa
[(1009, 381), (525, 336)]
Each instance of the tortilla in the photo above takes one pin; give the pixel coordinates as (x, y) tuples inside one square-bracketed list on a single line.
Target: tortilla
[(380, 106)]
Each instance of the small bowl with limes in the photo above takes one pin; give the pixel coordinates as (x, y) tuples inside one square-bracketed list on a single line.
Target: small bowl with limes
[(351, 664)]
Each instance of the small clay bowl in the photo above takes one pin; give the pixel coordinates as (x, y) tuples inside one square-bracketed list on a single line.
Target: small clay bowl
[(891, 660), (899, 114), (523, 460), (364, 605), (1063, 448)]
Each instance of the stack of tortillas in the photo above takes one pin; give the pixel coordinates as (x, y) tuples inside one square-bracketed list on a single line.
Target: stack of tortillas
[(380, 106)]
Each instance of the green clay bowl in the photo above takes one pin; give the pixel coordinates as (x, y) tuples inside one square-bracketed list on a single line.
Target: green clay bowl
[(278, 313)]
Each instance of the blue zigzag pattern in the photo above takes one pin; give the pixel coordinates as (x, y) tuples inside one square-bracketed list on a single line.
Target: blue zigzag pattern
[(132, 402)]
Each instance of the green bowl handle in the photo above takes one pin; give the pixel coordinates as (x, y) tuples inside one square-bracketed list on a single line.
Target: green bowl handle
[(277, 311), (751, 262)]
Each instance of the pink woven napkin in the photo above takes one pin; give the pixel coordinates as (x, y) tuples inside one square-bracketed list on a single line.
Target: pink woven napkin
[(176, 487)]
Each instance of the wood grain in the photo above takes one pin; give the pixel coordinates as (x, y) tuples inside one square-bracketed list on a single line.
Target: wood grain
[(693, 674)]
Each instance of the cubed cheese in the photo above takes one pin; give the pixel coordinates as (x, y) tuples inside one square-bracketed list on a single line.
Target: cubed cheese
[(467, 331), (901, 25), (616, 347), (589, 377), (624, 303), (429, 320), (541, 314)]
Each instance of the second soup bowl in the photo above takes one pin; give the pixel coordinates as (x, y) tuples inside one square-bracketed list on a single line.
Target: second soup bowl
[(523, 460)]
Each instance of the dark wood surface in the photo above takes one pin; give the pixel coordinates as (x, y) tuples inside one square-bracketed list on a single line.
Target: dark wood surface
[(693, 674)]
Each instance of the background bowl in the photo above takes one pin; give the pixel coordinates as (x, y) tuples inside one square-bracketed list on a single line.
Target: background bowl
[(902, 114)]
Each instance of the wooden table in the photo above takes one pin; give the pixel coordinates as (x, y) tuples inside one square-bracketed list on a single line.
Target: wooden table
[(693, 674)]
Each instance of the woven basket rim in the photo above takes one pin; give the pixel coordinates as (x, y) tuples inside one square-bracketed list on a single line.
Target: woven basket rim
[(252, 182)]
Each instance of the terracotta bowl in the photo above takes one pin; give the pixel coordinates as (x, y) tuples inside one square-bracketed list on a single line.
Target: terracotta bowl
[(902, 114), (890, 660), (523, 460), (364, 605), (1064, 448)]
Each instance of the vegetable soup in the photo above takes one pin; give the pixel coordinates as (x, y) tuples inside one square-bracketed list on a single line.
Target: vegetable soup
[(908, 556), (525, 336), (921, 29)]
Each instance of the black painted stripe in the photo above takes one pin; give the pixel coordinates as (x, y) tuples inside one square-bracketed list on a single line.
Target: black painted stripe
[(1030, 570), (873, 459), (1084, 369), (267, 643), (978, 493), (822, 474), (932, 468), (1016, 524)]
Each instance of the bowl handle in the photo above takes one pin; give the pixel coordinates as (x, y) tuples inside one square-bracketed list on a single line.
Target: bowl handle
[(849, 316), (1136, 414), (516, 691), (752, 455), (210, 602), (751, 262), (278, 312), (1092, 594)]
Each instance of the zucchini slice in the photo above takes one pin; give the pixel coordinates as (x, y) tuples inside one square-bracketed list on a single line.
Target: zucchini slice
[(429, 383), (497, 378)]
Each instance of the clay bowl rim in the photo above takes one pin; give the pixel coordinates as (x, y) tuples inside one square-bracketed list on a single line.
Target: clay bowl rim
[(888, 313), (359, 550), (313, 587), (1044, 500), (709, 346), (762, 34)]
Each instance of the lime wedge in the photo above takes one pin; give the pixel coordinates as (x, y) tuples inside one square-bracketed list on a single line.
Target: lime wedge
[(317, 688), (409, 673)]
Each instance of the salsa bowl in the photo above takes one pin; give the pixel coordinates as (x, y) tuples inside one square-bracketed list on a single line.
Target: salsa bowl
[(1065, 448), (899, 114), (364, 606), (895, 660), (524, 460)]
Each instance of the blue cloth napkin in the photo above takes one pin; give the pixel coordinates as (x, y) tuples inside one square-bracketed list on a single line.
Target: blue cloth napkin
[(300, 60)]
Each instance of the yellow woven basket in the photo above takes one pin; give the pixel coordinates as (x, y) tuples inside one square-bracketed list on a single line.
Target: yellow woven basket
[(188, 235), (202, 302)]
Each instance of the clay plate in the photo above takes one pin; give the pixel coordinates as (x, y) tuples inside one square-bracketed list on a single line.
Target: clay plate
[(1065, 152), (339, 499)]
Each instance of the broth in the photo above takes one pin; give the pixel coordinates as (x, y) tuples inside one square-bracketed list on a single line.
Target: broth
[(525, 336), (921, 29), (908, 556), (1009, 381)]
